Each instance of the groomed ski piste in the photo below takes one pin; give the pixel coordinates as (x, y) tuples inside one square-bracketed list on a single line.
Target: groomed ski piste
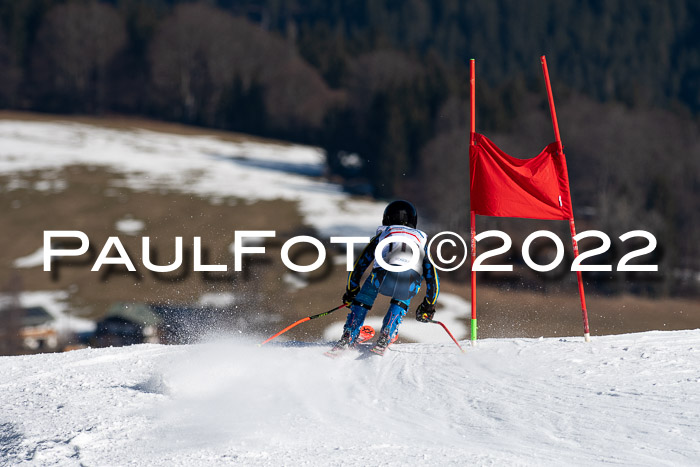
[(620, 400)]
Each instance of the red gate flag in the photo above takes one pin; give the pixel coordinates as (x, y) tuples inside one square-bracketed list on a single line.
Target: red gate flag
[(504, 186)]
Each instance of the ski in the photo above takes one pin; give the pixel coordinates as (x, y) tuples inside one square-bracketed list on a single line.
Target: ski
[(379, 349), (366, 333)]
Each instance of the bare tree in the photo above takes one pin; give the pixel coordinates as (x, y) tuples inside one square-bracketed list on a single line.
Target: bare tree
[(75, 45), (199, 51), (10, 74), (444, 188), (181, 56), (378, 71)]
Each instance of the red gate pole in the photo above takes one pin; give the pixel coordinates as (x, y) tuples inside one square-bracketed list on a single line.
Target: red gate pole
[(472, 220), (572, 226)]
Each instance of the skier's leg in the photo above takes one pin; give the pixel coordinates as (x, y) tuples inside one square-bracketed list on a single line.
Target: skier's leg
[(393, 318), (403, 288), (390, 326), (354, 322), (408, 285), (359, 308)]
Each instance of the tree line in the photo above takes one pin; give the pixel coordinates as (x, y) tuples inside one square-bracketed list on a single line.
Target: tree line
[(382, 86)]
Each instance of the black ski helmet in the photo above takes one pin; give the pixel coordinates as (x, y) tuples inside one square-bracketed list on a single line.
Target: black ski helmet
[(400, 213)]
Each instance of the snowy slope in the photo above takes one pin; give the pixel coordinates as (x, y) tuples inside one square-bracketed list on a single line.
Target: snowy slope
[(621, 400)]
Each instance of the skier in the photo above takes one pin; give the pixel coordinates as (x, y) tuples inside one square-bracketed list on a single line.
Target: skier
[(399, 221)]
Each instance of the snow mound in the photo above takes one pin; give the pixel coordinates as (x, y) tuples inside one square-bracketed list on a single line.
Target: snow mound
[(630, 399)]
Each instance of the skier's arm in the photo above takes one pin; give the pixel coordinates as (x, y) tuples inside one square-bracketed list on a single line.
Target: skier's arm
[(361, 264), (432, 281), (426, 309)]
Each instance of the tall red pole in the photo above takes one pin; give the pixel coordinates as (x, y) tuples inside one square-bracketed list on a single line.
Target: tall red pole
[(572, 226), (472, 220)]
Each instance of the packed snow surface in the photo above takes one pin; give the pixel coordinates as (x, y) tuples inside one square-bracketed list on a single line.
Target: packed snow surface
[(620, 400)]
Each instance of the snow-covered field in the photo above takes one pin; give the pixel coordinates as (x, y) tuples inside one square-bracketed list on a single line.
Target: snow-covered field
[(621, 400), (201, 165)]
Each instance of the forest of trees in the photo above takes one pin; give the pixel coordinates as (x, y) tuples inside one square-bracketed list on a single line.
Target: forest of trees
[(387, 80)]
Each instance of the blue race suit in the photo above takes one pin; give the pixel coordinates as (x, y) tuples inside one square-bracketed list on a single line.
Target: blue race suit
[(400, 286)]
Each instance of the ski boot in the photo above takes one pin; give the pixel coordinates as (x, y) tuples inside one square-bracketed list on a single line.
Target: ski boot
[(345, 342), (366, 333), (342, 345), (383, 343)]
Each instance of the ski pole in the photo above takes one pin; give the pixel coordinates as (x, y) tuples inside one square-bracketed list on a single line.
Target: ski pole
[(303, 320), (425, 316)]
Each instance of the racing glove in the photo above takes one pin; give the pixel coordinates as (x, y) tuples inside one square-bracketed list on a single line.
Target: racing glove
[(425, 311), (350, 295)]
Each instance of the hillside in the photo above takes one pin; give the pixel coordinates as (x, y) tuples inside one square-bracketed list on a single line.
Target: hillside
[(382, 87), (110, 177), (625, 400), (131, 178)]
